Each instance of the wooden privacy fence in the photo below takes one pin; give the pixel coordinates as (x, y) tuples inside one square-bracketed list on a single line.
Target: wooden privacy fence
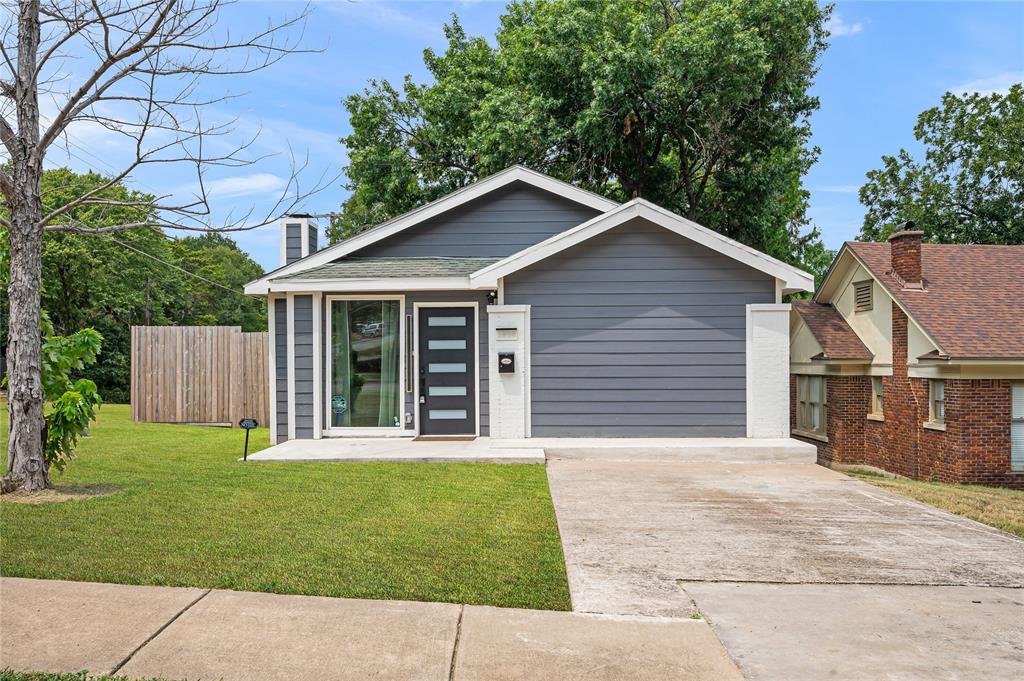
[(199, 374)]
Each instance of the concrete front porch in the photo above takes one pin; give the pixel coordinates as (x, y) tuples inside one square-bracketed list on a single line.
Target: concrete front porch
[(537, 450)]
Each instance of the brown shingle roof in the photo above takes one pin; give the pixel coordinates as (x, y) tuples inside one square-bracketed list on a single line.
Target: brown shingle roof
[(972, 304), (833, 333)]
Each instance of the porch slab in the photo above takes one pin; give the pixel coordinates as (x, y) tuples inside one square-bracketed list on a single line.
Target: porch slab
[(684, 450), (403, 449)]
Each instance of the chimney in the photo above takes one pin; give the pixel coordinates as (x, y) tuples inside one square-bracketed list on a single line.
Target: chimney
[(905, 252), (298, 237)]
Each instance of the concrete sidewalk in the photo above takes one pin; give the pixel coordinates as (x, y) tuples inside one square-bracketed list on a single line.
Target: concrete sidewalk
[(179, 633)]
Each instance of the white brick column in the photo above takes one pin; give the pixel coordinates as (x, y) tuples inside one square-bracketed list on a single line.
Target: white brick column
[(508, 330), (768, 370)]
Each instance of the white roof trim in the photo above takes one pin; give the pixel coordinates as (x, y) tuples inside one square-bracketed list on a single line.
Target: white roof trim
[(794, 278), (432, 209)]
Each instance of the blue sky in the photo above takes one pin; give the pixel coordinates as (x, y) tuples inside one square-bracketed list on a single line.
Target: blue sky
[(887, 62)]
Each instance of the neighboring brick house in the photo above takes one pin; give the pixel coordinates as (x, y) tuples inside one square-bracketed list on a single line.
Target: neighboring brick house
[(910, 358)]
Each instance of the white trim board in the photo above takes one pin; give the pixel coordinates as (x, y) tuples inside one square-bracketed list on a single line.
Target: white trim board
[(794, 279), (290, 334), (272, 354), (433, 209)]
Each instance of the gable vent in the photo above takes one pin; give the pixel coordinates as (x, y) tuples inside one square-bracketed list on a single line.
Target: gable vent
[(862, 291)]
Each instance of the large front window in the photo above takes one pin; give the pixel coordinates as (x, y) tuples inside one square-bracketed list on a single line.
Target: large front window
[(365, 349)]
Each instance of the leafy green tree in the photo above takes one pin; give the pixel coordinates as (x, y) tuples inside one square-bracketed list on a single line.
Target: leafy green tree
[(71, 403), (701, 107), (111, 282), (217, 258), (969, 187)]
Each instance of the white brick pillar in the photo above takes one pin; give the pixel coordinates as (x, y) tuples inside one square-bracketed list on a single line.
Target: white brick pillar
[(508, 331), (768, 370)]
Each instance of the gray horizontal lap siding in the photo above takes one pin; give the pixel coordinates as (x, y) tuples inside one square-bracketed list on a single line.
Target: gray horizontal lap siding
[(638, 332), (499, 224), (280, 313), (303, 366)]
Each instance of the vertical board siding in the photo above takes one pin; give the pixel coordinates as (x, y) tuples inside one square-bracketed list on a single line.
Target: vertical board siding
[(638, 332), (303, 366), (198, 374), (312, 239), (280, 312), (292, 243), (496, 225)]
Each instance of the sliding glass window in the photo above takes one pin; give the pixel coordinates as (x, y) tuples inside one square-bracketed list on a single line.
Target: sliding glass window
[(365, 347)]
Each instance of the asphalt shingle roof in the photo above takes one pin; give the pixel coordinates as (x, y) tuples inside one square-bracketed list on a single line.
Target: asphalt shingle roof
[(389, 268), (973, 298), (837, 339)]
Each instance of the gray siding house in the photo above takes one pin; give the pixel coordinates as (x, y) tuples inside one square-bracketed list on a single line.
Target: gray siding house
[(523, 306)]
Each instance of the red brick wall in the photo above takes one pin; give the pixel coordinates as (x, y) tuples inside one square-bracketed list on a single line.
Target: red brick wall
[(905, 252), (974, 448)]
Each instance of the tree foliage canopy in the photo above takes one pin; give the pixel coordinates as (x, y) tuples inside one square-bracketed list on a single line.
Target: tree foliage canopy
[(106, 282), (701, 107), (969, 186)]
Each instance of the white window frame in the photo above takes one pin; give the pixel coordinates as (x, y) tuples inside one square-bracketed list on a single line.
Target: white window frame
[(379, 431), (416, 307), (877, 410), (936, 421), (1017, 419), (803, 403)]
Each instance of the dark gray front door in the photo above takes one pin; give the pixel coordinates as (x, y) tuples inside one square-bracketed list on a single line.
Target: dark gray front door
[(447, 369)]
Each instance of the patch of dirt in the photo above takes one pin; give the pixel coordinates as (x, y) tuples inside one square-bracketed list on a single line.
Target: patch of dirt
[(59, 493)]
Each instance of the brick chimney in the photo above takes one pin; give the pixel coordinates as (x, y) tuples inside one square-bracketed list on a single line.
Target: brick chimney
[(905, 251)]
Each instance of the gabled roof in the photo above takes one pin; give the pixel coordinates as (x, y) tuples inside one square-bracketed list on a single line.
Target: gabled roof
[(972, 303), (836, 337), (433, 209), (794, 279)]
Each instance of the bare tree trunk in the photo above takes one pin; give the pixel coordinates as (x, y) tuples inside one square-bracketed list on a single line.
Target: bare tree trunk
[(25, 456)]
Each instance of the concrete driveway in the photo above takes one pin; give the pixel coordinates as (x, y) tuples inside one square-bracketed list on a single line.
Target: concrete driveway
[(804, 572)]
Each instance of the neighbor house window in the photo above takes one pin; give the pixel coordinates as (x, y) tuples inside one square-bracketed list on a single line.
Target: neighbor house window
[(937, 401), (877, 397), (810, 414), (862, 296), (1017, 427)]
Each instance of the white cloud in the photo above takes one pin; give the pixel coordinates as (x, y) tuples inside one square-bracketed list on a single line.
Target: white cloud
[(837, 27), (245, 185), (989, 86), (386, 16), (838, 189)]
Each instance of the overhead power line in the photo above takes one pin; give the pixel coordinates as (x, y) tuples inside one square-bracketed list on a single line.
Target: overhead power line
[(173, 266)]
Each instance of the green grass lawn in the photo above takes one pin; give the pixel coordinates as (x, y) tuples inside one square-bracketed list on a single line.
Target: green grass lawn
[(9, 675), (188, 513), (995, 506)]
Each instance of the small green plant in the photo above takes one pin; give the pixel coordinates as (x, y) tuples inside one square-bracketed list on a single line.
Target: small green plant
[(72, 403)]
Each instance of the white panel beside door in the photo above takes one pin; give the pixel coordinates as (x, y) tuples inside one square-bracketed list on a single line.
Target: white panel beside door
[(508, 330), (768, 370)]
